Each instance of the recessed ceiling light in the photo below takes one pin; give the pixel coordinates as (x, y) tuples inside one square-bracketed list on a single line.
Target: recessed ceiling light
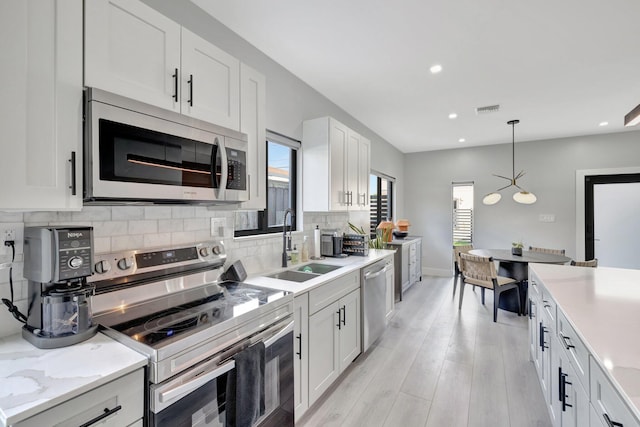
[(453, 115), (435, 69), (604, 123), (462, 140)]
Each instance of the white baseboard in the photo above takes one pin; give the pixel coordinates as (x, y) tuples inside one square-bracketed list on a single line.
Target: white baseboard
[(440, 272)]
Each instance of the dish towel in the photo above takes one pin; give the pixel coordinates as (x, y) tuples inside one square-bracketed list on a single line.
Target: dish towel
[(245, 387)]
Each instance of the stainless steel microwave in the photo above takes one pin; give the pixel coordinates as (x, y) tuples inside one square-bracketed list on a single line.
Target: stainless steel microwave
[(138, 153)]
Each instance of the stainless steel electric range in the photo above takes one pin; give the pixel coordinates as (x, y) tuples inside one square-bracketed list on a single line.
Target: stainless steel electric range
[(220, 352)]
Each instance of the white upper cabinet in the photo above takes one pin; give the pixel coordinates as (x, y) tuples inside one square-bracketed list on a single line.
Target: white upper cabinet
[(336, 165), (133, 50), (252, 122), (210, 82), (41, 118)]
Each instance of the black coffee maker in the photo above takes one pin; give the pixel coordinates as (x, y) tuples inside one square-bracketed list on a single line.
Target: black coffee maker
[(57, 262)]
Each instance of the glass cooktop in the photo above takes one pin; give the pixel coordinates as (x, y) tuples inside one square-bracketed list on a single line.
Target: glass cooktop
[(178, 315)]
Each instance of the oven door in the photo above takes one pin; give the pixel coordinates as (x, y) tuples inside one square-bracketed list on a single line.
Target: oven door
[(136, 157), (198, 397)]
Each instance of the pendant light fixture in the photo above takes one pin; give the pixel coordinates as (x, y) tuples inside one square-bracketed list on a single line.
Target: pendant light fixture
[(522, 196)]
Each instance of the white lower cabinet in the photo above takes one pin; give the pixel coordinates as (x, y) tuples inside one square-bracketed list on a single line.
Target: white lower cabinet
[(334, 334), (301, 354), (389, 294), (569, 397), (608, 405), (576, 389), (115, 404)]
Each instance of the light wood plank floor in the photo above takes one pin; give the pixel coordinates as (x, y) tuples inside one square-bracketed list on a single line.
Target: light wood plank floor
[(439, 366)]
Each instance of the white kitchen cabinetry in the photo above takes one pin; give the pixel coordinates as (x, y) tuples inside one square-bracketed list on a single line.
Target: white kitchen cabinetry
[(252, 122), (407, 263), (608, 406), (336, 166), (116, 404), (576, 389), (389, 295), (41, 118), (135, 51), (334, 331), (301, 355)]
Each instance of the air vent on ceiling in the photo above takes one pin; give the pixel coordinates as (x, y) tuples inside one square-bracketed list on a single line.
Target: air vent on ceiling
[(488, 109)]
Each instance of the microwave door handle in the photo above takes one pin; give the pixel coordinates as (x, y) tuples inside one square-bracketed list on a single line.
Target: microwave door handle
[(224, 169)]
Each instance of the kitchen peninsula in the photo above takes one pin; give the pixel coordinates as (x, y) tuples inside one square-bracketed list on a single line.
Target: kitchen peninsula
[(580, 328)]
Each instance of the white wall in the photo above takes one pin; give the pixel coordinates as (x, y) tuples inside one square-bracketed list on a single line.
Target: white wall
[(550, 168)]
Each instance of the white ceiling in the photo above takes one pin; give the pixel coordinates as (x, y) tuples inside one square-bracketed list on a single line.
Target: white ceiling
[(559, 66)]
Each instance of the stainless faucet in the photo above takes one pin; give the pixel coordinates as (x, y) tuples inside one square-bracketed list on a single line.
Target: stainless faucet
[(286, 247)]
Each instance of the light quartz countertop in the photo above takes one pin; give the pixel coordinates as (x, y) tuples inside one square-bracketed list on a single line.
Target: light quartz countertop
[(349, 264), (33, 380), (603, 306)]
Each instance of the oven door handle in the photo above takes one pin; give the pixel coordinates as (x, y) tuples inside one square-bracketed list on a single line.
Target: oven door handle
[(195, 383), (282, 332)]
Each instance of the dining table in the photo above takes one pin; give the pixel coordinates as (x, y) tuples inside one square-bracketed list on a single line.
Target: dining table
[(517, 267)]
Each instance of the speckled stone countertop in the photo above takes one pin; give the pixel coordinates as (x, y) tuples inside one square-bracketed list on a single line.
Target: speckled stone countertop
[(603, 306), (33, 380)]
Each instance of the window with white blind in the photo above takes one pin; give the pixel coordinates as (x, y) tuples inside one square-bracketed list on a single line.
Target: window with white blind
[(462, 213)]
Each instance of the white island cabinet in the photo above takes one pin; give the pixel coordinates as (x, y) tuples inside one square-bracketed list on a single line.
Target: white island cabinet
[(579, 324), (96, 382), (41, 118)]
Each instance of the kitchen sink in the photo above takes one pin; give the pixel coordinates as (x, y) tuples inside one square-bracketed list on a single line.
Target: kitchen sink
[(294, 276), (318, 268)]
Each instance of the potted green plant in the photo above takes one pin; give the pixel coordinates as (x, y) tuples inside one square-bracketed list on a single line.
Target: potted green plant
[(516, 248)]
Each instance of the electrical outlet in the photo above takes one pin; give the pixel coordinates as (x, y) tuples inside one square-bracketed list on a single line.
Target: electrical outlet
[(217, 227), (547, 218), (9, 234)]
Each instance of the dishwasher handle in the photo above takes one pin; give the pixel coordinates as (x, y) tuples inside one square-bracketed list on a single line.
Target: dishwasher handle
[(371, 274)]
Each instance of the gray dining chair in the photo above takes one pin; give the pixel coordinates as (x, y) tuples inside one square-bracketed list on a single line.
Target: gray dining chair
[(481, 271), (588, 263), (546, 250)]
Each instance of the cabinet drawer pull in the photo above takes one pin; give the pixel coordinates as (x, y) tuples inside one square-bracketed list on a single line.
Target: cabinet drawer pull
[(299, 352), (102, 416), (190, 81), (339, 325), (175, 85), (72, 160), (566, 342), (344, 315), (611, 423)]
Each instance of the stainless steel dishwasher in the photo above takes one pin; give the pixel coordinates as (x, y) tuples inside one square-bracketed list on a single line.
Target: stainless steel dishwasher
[(373, 291)]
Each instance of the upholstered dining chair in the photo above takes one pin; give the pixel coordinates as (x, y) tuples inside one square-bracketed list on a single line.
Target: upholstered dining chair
[(547, 251), (457, 250), (481, 271), (588, 263)]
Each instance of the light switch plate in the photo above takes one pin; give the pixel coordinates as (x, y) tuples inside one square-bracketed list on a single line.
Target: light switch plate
[(217, 227), (547, 218)]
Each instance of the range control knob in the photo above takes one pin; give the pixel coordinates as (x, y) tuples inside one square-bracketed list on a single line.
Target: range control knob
[(204, 252), (125, 263), (216, 250), (75, 262), (102, 267)]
